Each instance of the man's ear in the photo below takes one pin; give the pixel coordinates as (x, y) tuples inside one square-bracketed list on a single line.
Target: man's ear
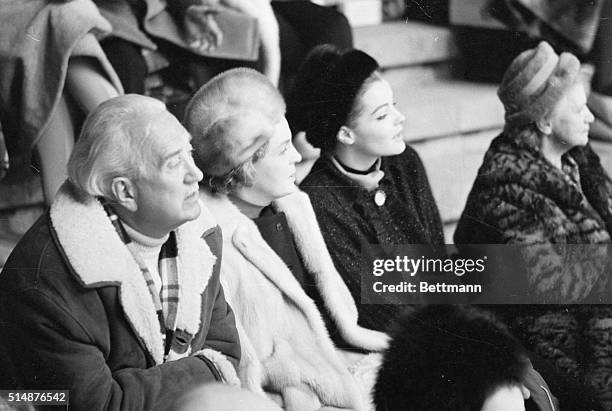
[(544, 125), (124, 192), (345, 136)]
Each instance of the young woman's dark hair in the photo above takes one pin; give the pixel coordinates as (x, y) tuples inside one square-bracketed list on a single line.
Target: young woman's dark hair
[(324, 96)]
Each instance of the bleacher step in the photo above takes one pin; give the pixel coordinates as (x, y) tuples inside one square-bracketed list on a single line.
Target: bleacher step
[(447, 107), (452, 164), (405, 43)]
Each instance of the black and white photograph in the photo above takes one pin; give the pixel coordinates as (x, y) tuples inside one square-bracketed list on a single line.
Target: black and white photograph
[(306, 205)]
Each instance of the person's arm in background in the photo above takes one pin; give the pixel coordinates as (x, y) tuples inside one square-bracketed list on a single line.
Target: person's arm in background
[(268, 31), (87, 85)]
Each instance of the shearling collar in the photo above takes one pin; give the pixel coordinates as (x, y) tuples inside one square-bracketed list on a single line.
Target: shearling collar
[(99, 258)]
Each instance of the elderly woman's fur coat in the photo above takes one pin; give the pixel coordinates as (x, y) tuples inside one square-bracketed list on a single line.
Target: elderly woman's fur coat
[(285, 345), (521, 198)]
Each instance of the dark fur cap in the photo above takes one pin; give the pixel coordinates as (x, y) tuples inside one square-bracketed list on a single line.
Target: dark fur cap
[(445, 357), (324, 92)]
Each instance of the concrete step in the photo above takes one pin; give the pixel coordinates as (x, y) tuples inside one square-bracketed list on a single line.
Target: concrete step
[(604, 150), (452, 164), (446, 107), (418, 76), (405, 43)]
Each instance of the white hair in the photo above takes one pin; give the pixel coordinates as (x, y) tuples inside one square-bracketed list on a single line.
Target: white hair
[(115, 141)]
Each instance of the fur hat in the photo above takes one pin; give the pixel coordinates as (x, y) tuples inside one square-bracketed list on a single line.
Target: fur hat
[(535, 81), (324, 92), (447, 358)]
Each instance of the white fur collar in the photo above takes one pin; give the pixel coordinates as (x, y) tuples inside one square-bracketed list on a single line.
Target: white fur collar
[(312, 249), (336, 296), (99, 258)]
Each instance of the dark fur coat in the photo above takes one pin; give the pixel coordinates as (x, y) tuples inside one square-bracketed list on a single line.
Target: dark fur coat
[(521, 198)]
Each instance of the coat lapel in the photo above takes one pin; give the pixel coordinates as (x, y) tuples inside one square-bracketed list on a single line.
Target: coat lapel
[(99, 258), (196, 267), (336, 295), (245, 237)]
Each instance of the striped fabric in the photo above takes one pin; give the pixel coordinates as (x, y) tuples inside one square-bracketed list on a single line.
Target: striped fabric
[(166, 302)]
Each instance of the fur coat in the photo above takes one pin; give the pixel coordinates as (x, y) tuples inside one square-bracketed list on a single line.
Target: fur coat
[(76, 312), (284, 341), (521, 198)]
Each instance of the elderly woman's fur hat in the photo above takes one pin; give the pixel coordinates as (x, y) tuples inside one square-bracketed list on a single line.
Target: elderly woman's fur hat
[(535, 81)]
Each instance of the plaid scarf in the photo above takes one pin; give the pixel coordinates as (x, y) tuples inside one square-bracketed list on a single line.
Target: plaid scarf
[(166, 302)]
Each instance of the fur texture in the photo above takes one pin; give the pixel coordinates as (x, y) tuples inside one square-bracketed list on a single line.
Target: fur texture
[(520, 198), (88, 239), (286, 347), (447, 358)]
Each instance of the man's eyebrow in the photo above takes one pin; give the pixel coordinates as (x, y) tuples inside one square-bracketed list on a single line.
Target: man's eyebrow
[(176, 152), (379, 107), (169, 155)]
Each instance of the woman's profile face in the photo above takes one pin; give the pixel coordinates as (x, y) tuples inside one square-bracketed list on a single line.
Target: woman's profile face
[(377, 128), (274, 175), (571, 118)]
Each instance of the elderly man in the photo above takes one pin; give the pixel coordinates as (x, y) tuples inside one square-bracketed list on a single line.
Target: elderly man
[(114, 293)]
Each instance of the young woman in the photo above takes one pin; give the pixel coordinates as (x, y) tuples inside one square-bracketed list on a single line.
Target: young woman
[(272, 248), (540, 184), (368, 186)]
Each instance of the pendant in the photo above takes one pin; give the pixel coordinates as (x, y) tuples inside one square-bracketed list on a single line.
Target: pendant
[(379, 198)]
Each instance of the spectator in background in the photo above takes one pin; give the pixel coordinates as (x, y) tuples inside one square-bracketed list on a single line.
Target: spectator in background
[(287, 31), (540, 184), (449, 358), (272, 248), (52, 73), (304, 25), (123, 306), (368, 186)]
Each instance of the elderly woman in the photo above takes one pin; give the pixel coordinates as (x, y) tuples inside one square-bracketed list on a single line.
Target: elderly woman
[(273, 247), (114, 294), (368, 186), (541, 184)]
